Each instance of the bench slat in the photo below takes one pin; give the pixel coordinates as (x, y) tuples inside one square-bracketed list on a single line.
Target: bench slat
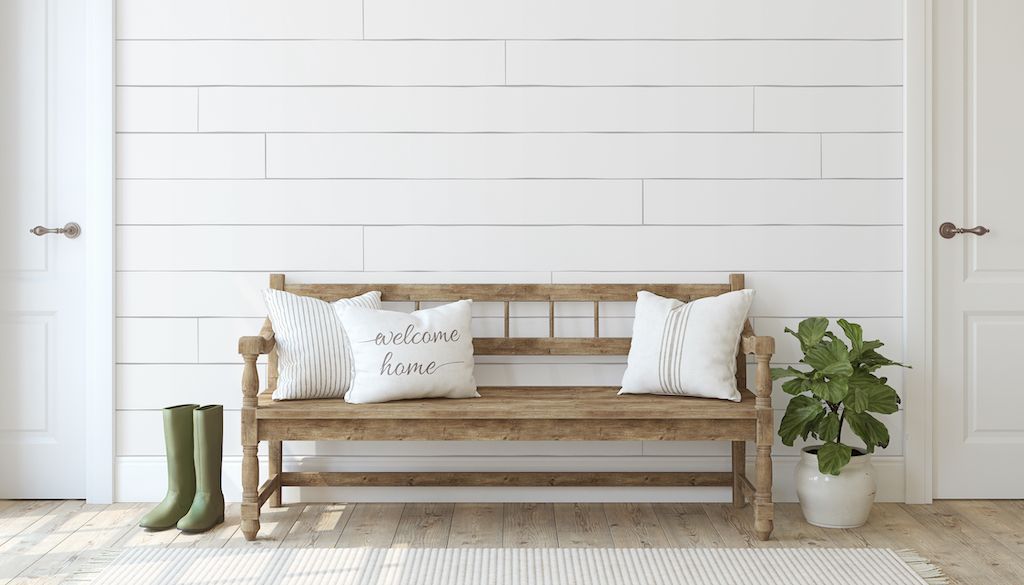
[(462, 429), (551, 345), (518, 403), (507, 292), (507, 479)]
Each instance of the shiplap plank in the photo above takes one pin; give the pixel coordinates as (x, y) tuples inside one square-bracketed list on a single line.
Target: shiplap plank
[(155, 386), (157, 109), (716, 202), (190, 294), (787, 349), (310, 63), (141, 479), (626, 248), (218, 338), (143, 437), (612, 156), (862, 155), (828, 109), (240, 19), (894, 422), (238, 294), (154, 341), (733, 62), (239, 248), (778, 294), (379, 202), (623, 19), (190, 156), (476, 109), (782, 294)]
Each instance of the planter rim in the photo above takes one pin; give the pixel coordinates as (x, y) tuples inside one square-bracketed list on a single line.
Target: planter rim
[(858, 452)]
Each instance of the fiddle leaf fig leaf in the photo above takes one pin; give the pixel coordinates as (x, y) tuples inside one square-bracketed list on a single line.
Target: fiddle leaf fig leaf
[(789, 372), (831, 359), (832, 457), (872, 360), (869, 429), (855, 333), (800, 413), (861, 385), (882, 399), (809, 332), (828, 427), (794, 386), (832, 391)]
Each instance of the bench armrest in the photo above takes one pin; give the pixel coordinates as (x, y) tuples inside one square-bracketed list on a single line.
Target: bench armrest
[(762, 347), (261, 344), (758, 345), (251, 347)]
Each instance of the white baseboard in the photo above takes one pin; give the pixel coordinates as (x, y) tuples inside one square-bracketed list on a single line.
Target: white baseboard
[(142, 479)]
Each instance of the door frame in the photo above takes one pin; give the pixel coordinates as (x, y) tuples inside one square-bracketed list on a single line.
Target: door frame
[(918, 332), (99, 274)]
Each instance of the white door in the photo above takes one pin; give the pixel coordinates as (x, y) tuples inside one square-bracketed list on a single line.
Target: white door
[(42, 164), (978, 180)]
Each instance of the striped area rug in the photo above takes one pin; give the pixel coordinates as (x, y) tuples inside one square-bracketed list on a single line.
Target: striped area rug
[(367, 566)]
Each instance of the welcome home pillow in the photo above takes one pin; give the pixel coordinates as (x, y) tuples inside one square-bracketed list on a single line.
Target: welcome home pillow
[(686, 349), (314, 359), (398, 356)]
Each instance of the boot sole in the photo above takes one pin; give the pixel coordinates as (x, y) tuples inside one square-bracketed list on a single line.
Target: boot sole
[(156, 528), (220, 520)]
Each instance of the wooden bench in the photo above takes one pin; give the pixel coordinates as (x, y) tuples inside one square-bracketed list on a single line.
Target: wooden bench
[(513, 413)]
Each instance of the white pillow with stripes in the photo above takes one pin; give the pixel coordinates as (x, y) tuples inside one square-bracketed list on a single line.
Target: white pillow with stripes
[(686, 349), (314, 357)]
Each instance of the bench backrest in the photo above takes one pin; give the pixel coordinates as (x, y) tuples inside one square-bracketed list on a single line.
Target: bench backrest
[(509, 293)]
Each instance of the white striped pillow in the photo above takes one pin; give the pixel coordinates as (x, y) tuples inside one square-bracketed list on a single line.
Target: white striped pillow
[(686, 349), (314, 358)]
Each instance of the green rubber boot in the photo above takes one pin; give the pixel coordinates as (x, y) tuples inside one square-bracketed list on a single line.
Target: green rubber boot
[(207, 508), (181, 470)]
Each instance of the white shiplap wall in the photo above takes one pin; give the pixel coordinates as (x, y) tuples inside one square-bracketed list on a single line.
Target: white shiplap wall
[(497, 141)]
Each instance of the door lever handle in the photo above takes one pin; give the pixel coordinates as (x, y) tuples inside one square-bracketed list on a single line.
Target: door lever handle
[(70, 230), (949, 229)]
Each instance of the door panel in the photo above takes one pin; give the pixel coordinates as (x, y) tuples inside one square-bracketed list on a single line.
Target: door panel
[(995, 47), (978, 54), (42, 172)]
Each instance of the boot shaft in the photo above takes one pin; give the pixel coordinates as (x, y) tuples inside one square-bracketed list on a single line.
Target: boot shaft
[(208, 422), (179, 446)]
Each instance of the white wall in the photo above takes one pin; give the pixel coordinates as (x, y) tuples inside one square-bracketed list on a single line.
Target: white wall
[(498, 141)]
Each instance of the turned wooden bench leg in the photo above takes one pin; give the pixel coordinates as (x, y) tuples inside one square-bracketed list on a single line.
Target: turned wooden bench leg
[(250, 509), (739, 468), (764, 513), (276, 459)]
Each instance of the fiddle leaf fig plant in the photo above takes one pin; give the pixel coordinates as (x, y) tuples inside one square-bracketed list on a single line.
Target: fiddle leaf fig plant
[(840, 389)]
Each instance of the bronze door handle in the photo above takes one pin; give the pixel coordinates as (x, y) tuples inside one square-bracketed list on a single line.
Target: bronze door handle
[(949, 229), (71, 230)]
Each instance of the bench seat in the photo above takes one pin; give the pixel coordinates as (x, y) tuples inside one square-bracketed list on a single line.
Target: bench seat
[(519, 402)]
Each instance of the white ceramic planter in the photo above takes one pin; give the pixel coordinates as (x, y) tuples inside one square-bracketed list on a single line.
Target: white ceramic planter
[(835, 501)]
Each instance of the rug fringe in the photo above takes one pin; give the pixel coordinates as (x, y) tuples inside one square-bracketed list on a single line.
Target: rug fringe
[(92, 567), (923, 567)]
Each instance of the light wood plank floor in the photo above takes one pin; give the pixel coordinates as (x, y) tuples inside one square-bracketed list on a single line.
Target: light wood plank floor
[(973, 541)]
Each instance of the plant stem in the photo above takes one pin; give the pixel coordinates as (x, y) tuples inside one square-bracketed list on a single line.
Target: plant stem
[(839, 436)]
